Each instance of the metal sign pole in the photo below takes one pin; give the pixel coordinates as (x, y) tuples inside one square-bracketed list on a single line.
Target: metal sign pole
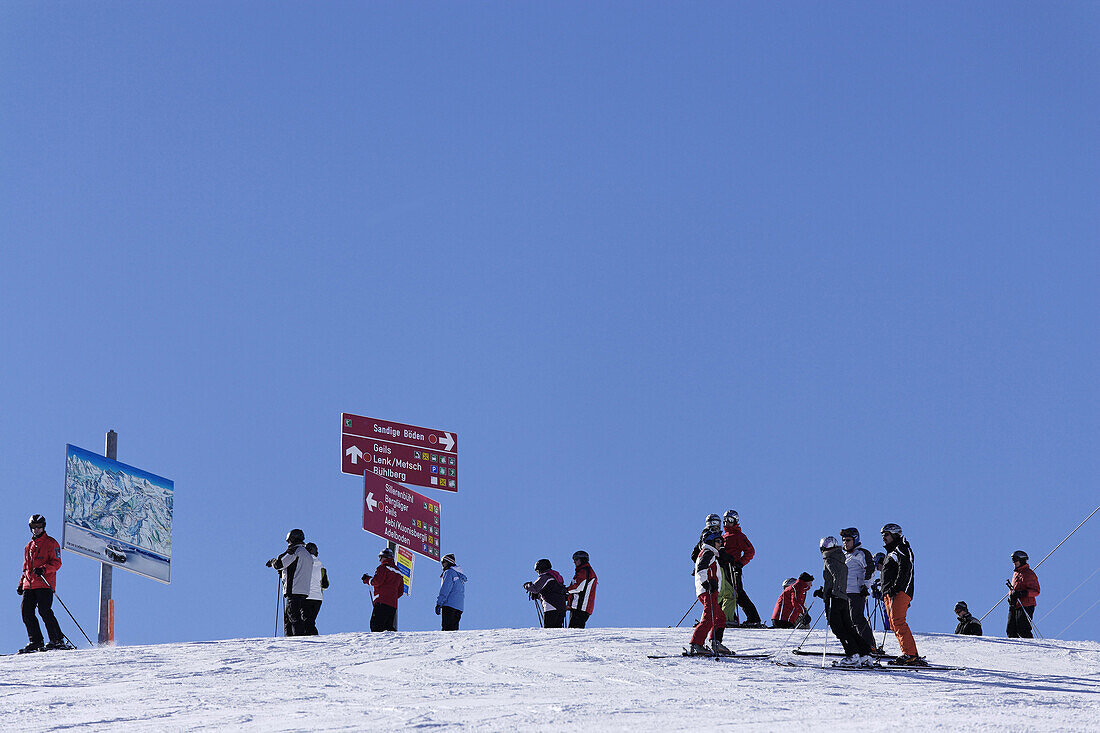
[(104, 568)]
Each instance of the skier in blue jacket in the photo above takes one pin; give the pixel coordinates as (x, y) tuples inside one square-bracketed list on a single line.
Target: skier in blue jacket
[(452, 593)]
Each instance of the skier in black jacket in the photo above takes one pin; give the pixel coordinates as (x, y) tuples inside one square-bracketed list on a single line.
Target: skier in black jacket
[(968, 625), (835, 579)]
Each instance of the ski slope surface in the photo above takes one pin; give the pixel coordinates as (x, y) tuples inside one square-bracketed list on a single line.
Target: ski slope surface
[(546, 679)]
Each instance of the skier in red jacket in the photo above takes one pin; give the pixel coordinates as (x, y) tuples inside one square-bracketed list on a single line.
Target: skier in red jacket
[(791, 603), (41, 559), (736, 552), (582, 591), (1024, 587), (388, 585)]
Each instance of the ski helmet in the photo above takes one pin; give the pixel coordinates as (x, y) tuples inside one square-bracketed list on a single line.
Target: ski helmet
[(542, 566), (850, 532), (961, 606), (891, 528), (879, 557), (580, 555), (311, 549), (449, 558), (730, 517), (709, 535), (386, 552), (1019, 555), (713, 520), (36, 519), (789, 582), (295, 537), (828, 543), (806, 577)]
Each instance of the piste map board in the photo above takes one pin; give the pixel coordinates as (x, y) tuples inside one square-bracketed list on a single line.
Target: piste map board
[(403, 453), (401, 515)]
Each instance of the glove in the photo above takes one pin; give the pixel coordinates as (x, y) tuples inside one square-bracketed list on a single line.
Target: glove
[(40, 572), (527, 586), (19, 589), (864, 592), (1015, 596), (438, 609), (271, 562), (366, 578), (736, 567), (708, 586), (819, 593)]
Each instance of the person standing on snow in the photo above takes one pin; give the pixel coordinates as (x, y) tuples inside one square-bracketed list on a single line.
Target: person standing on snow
[(452, 593), (708, 582), (897, 592), (876, 592), (295, 566), (834, 581), (861, 566), (41, 560), (791, 603), (317, 584), (736, 552), (388, 584), (582, 591), (1024, 586), (968, 625), (550, 590)]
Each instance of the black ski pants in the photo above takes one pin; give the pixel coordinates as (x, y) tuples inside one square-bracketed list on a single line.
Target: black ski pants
[(450, 617), (1019, 622), (310, 609), (383, 618), (41, 599), (856, 606), (577, 619), (294, 619), (840, 621), (553, 619)]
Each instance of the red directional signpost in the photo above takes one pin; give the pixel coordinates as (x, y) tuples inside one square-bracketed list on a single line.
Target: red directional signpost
[(403, 453), (401, 515)]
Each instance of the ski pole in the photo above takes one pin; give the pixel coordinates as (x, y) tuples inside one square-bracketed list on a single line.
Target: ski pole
[(805, 610), (278, 600), (812, 627), (66, 608), (1097, 509), (1030, 621), (686, 613), (826, 629), (538, 611)]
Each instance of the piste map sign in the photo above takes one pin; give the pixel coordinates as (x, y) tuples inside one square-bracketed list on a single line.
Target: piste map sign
[(403, 453), (401, 515)]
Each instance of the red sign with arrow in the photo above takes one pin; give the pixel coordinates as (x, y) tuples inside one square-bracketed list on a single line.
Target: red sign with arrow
[(401, 515), (403, 453)]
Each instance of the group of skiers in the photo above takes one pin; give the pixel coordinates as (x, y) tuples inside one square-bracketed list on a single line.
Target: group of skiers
[(719, 558), (553, 598), (847, 582), (304, 579)]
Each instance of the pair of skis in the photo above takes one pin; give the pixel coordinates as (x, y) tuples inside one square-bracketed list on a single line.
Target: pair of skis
[(709, 655)]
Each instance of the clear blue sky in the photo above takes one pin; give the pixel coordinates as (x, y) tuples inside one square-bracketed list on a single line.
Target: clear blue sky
[(825, 265)]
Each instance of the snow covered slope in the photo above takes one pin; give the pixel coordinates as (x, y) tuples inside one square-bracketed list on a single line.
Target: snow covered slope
[(538, 679)]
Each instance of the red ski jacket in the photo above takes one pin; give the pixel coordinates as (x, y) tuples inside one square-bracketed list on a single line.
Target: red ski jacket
[(41, 552), (791, 602), (388, 584), (737, 546), (1025, 583), (582, 592)]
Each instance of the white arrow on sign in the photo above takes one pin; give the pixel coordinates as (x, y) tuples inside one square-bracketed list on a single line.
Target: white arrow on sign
[(448, 441), (371, 501), (355, 454)]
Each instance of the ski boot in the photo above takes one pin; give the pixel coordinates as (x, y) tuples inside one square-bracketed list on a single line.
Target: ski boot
[(61, 644), (697, 650), (866, 660), (34, 646), (909, 660), (720, 649), (849, 661)]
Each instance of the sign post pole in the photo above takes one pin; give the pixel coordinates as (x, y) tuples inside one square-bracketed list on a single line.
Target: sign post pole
[(106, 627)]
